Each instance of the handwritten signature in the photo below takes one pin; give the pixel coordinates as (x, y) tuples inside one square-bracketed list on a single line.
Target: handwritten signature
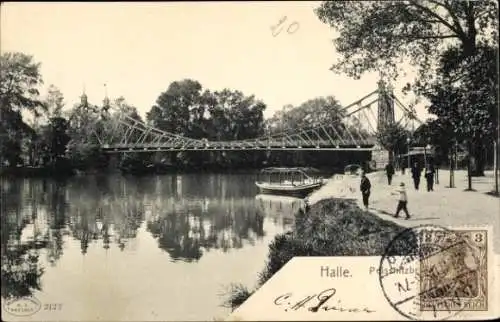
[(316, 302), (292, 28)]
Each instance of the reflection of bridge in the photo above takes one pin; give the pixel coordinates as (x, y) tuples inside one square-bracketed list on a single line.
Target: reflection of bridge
[(356, 131)]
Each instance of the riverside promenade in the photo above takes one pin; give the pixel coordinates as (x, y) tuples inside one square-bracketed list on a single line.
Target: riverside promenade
[(443, 206)]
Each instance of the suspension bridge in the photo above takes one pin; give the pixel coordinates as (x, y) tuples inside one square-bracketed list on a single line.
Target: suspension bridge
[(355, 131)]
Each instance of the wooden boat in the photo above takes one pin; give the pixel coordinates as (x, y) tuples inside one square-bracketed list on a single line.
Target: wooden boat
[(297, 182)]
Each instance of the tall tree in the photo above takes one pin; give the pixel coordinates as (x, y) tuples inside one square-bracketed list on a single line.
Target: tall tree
[(235, 116), (313, 112), (322, 113), (393, 138), (20, 77), (54, 140), (84, 121), (378, 35), (466, 96), (171, 112), (187, 110), (49, 123), (54, 102), (439, 133)]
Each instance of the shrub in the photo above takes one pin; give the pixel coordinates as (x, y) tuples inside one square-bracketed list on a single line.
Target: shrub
[(236, 295), (335, 227), (332, 227)]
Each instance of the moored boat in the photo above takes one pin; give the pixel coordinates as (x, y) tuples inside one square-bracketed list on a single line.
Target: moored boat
[(297, 182), (353, 170)]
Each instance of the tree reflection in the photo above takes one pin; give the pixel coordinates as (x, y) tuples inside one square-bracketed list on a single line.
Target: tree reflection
[(281, 209), (173, 233), (188, 229), (108, 217), (20, 270), (186, 215), (57, 219)]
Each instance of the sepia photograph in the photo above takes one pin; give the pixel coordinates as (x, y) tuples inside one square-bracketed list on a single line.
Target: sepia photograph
[(249, 161)]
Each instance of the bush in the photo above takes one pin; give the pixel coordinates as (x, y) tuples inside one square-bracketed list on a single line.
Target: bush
[(332, 227), (335, 227), (236, 295)]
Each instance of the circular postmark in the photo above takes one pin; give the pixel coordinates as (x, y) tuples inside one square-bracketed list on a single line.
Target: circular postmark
[(422, 273), (22, 306)]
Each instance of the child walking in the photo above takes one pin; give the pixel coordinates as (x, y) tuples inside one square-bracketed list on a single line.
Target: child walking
[(403, 201)]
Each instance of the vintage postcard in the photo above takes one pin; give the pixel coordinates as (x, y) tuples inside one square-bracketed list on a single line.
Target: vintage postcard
[(276, 161)]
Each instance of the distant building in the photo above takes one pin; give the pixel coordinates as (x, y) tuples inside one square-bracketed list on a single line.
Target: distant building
[(417, 154)]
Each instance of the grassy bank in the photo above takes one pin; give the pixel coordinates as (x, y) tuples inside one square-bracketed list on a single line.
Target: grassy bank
[(331, 227)]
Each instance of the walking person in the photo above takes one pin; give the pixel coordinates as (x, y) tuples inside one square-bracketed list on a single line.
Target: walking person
[(429, 176), (389, 171), (365, 189), (402, 201), (415, 173)]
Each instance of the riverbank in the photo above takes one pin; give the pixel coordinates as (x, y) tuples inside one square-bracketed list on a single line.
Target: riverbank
[(336, 224), (36, 172), (444, 206), (331, 227), (47, 172)]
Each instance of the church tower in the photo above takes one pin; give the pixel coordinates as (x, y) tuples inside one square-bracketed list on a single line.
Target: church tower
[(105, 102), (83, 99)]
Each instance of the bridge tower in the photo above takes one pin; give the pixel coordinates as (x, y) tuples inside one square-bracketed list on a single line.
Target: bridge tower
[(385, 105), (385, 117)]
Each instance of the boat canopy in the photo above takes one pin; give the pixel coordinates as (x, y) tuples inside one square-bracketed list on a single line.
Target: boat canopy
[(290, 175)]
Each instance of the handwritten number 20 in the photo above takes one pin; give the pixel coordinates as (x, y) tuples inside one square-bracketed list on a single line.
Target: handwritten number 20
[(292, 28)]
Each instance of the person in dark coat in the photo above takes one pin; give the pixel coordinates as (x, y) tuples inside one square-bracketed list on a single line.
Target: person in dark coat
[(415, 173), (365, 189), (389, 171), (402, 165), (429, 176)]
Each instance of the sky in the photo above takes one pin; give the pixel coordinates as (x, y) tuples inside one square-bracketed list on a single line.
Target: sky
[(138, 49)]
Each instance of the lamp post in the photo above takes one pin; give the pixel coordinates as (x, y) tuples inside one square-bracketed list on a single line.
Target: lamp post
[(453, 165), (425, 157), (408, 140)]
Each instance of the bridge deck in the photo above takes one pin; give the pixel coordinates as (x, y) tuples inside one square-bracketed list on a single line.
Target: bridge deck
[(198, 145)]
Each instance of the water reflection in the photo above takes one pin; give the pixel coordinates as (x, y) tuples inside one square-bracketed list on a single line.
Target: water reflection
[(188, 216), (184, 231), (281, 209)]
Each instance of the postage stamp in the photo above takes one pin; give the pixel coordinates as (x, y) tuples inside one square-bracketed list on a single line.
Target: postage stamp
[(450, 268), (455, 278)]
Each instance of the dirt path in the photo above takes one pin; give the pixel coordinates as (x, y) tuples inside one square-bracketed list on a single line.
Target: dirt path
[(443, 206)]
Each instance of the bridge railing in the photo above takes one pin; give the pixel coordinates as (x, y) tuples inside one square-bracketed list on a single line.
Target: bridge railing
[(239, 145)]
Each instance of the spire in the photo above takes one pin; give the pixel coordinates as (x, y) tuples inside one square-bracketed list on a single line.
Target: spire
[(105, 102), (83, 98)]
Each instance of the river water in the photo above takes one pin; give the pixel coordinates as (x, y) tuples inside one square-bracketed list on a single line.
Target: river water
[(111, 247)]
